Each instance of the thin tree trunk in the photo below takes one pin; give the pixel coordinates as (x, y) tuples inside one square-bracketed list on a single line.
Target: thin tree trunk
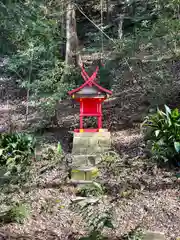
[(120, 26), (63, 32), (72, 56), (107, 11), (178, 12)]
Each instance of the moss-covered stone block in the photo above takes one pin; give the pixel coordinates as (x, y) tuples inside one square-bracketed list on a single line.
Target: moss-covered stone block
[(77, 175), (84, 160), (87, 160), (78, 150), (81, 141), (91, 143), (84, 173), (104, 142), (94, 150)]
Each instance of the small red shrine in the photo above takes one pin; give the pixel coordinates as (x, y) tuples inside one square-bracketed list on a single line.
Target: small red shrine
[(90, 95)]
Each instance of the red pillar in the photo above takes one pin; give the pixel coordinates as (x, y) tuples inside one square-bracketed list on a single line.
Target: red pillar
[(100, 117), (81, 112)]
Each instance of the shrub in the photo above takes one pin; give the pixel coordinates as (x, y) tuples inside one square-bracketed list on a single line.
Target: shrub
[(95, 217), (16, 213), (94, 189), (164, 134), (16, 151)]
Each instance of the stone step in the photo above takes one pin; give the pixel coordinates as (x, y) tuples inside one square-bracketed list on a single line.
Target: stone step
[(85, 160), (79, 183), (90, 150), (92, 141), (103, 133), (84, 173), (87, 169)]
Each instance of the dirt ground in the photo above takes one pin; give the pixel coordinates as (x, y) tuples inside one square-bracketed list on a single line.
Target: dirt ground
[(152, 203)]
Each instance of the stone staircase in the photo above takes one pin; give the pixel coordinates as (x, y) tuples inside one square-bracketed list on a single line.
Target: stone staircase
[(86, 154)]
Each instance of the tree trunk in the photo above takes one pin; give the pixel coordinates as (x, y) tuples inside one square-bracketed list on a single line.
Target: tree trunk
[(63, 32), (72, 55), (120, 26), (54, 118), (107, 11)]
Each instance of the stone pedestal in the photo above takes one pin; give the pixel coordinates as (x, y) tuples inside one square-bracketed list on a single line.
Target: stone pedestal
[(85, 173), (91, 143), (86, 153)]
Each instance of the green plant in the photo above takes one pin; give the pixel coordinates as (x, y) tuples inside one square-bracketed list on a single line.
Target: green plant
[(109, 158), (51, 205), (93, 189), (59, 148), (16, 151), (164, 134), (95, 217), (16, 213)]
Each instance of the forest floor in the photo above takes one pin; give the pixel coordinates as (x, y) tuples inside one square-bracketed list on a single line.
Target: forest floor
[(153, 199)]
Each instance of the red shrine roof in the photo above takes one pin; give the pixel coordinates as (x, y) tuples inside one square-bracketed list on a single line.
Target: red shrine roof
[(89, 81), (93, 83)]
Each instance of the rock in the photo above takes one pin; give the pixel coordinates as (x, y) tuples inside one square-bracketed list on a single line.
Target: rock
[(88, 200), (152, 110), (154, 236), (3, 129)]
